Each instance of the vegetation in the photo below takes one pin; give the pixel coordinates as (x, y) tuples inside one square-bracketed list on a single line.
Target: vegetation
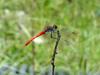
[(21, 19)]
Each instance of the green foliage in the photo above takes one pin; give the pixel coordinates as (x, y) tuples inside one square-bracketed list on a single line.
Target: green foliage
[(80, 16)]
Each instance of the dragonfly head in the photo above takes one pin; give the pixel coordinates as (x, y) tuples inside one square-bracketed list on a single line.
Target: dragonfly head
[(55, 26)]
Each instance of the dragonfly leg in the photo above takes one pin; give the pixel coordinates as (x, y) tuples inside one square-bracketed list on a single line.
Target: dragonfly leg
[(53, 36)]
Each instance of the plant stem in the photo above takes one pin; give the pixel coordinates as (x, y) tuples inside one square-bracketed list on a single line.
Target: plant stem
[(55, 52)]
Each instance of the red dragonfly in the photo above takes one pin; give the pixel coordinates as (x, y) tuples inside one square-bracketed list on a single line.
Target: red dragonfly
[(46, 29), (67, 36)]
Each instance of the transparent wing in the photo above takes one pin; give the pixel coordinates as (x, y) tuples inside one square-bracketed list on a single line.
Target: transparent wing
[(69, 37)]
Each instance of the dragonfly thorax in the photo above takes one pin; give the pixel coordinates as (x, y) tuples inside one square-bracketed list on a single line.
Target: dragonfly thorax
[(51, 28)]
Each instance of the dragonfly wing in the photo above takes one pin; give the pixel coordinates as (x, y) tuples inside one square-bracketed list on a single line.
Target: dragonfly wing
[(69, 36)]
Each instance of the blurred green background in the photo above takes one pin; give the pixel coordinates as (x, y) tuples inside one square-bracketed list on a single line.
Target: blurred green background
[(21, 19)]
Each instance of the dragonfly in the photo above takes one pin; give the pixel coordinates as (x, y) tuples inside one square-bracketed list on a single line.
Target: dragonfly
[(48, 29)]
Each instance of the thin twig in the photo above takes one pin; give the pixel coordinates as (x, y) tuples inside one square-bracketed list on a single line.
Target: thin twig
[(55, 52)]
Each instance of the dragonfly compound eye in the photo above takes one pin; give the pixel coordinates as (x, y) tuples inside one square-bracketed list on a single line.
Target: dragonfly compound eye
[(55, 26)]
